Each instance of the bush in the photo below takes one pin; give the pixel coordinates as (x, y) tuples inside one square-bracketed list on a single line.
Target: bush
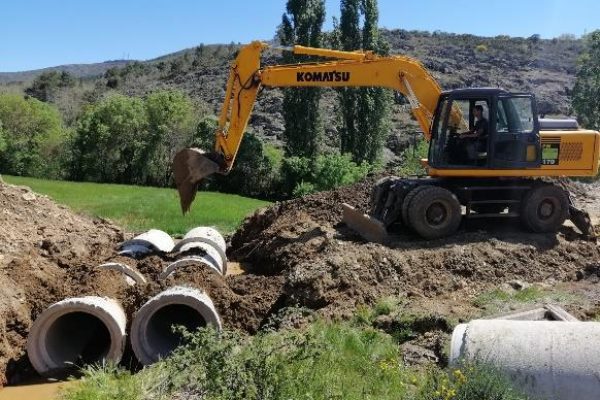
[(302, 175), (411, 160)]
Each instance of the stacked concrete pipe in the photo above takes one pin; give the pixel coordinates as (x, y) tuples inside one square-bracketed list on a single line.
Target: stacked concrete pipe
[(547, 359), (75, 332)]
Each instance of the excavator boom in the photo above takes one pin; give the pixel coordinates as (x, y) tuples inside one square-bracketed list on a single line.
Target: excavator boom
[(345, 69)]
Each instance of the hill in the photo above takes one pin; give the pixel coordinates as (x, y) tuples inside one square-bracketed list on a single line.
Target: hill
[(545, 67)]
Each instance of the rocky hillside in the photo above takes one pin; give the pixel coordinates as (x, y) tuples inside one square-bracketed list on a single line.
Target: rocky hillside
[(544, 67)]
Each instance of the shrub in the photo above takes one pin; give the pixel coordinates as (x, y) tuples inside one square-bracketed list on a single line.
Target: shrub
[(411, 159)]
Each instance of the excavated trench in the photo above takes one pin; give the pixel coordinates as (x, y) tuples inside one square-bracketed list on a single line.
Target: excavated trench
[(294, 253)]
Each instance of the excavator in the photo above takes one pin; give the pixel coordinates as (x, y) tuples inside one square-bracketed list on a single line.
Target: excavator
[(515, 169)]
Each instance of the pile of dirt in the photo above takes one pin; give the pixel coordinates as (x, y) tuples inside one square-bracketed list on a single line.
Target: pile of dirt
[(328, 268), (47, 253)]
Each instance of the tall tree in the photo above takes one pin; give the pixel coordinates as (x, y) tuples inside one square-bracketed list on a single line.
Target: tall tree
[(302, 23), (586, 92), (364, 111)]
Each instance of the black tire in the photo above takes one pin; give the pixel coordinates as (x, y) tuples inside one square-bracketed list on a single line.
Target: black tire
[(544, 208), (434, 212), (488, 208), (406, 203)]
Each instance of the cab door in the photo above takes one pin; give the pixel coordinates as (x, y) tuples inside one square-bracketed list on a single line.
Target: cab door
[(515, 136)]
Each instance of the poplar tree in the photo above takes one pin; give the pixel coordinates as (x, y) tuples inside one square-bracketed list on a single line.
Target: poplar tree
[(364, 111), (586, 92), (302, 24)]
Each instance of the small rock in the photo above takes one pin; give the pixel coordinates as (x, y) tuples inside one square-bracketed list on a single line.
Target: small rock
[(28, 196), (518, 284)]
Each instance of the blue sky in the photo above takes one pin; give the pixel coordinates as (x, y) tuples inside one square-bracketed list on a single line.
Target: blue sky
[(42, 33)]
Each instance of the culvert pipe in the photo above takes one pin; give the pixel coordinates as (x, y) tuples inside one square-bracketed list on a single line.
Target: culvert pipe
[(547, 359), (197, 237), (152, 334), (75, 332)]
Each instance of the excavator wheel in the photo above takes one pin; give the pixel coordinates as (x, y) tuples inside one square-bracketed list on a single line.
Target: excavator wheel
[(544, 208), (434, 212), (406, 203)]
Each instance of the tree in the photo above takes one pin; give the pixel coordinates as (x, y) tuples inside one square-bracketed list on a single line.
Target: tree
[(170, 115), (586, 92), (33, 137), (364, 111), (45, 85), (109, 141), (254, 173), (302, 24)]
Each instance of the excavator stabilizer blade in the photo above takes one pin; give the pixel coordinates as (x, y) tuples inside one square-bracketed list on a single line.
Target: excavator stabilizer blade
[(368, 227), (583, 222), (190, 166)]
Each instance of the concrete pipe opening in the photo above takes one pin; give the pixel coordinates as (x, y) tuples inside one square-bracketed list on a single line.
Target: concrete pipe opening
[(152, 330), (76, 332)]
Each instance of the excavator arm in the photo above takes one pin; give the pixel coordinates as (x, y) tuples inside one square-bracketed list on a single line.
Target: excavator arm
[(346, 69)]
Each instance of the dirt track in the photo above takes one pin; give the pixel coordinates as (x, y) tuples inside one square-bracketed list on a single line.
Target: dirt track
[(295, 253)]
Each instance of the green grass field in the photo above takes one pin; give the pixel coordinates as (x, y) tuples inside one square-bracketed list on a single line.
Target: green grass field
[(139, 208)]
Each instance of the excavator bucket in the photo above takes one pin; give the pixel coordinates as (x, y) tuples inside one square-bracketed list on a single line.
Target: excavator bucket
[(190, 166)]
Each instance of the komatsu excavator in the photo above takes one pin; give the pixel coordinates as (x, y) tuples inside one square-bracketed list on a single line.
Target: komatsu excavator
[(513, 169)]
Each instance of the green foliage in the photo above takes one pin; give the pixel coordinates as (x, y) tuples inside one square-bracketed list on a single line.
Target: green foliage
[(481, 48), (364, 111), (109, 141), (2, 139), (302, 176), (255, 172), (129, 140), (302, 24), (469, 383), (105, 382), (138, 208), (322, 361), (411, 160), (33, 137), (171, 119), (44, 86), (586, 92)]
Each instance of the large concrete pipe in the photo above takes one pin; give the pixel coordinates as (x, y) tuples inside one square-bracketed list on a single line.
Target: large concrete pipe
[(550, 360), (132, 275), (152, 241), (197, 237), (75, 332), (152, 335)]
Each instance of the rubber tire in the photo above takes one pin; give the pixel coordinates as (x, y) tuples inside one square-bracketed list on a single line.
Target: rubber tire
[(406, 203), (488, 208), (531, 203), (419, 205)]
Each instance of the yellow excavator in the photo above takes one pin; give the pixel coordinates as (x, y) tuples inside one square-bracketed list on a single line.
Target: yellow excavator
[(510, 165)]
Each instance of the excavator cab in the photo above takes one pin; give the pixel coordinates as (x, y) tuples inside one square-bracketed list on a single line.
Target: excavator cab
[(510, 140)]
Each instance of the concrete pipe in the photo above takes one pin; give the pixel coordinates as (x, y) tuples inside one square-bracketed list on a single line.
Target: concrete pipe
[(75, 332), (152, 335), (553, 360), (192, 260), (203, 234), (132, 275), (153, 240)]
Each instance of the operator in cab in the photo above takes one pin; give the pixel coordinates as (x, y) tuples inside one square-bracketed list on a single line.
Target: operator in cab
[(476, 143)]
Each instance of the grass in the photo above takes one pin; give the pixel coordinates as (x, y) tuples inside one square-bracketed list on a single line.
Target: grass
[(326, 360), (139, 208), (499, 300)]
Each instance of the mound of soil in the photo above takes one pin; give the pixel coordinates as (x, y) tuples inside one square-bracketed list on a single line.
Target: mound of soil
[(328, 268), (47, 253)]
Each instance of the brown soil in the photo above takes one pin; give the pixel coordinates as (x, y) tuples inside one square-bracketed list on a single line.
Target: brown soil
[(295, 253)]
